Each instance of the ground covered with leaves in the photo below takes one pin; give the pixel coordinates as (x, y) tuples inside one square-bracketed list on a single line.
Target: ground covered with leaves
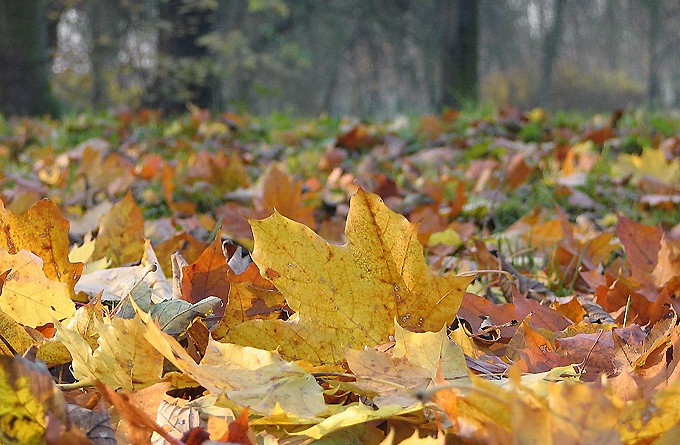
[(509, 277)]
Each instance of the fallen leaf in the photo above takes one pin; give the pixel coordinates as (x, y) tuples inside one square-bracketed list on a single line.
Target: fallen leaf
[(27, 295), (17, 341), (207, 276), (189, 247), (340, 293), (353, 415), (282, 192), (123, 359), (412, 366), (641, 244), (29, 398), (652, 162), (251, 377), (43, 231), (121, 233), (141, 424)]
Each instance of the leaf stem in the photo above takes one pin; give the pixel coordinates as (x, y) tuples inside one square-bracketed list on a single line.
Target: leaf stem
[(85, 383), (625, 314)]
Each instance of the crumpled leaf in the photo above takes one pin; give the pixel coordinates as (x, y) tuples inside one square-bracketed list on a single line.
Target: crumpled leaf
[(27, 295), (259, 379), (413, 365), (116, 282), (123, 359), (28, 397), (347, 296), (176, 418), (175, 317), (354, 415), (43, 231)]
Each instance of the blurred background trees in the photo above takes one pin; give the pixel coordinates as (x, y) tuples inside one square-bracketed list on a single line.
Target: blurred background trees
[(361, 57)]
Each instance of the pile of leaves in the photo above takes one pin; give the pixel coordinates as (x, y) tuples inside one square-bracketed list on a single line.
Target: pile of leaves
[(501, 278)]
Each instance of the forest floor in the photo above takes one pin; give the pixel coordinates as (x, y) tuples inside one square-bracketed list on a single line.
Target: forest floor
[(535, 277)]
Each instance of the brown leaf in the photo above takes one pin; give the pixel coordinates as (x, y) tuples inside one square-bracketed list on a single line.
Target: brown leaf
[(58, 433), (357, 138), (668, 265), (475, 306), (537, 353), (517, 171), (112, 173), (282, 192), (189, 247), (641, 244), (141, 425), (207, 276)]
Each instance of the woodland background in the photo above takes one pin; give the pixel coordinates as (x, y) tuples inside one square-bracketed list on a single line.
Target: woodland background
[(362, 57)]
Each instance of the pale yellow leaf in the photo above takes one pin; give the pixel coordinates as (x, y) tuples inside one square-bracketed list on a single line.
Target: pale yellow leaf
[(28, 295)]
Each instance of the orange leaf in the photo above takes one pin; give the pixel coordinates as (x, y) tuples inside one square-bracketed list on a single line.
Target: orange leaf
[(238, 430), (207, 276), (283, 193), (641, 244)]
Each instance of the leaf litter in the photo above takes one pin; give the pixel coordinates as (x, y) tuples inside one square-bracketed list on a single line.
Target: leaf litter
[(376, 287)]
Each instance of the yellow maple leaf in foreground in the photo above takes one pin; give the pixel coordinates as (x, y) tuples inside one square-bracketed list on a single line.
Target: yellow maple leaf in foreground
[(347, 296)]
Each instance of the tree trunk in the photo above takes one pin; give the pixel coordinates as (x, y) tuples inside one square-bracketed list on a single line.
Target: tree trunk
[(183, 70), (551, 46), (654, 31), (459, 59), (104, 17), (24, 62), (613, 35)]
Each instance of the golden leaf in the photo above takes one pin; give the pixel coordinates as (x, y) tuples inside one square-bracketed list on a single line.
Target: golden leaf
[(347, 296), (27, 295)]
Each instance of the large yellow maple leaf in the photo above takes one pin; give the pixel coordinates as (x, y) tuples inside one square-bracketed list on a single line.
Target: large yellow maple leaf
[(347, 296)]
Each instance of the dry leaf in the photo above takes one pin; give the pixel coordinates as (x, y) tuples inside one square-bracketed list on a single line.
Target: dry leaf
[(121, 233), (43, 231), (27, 295), (348, 296)]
